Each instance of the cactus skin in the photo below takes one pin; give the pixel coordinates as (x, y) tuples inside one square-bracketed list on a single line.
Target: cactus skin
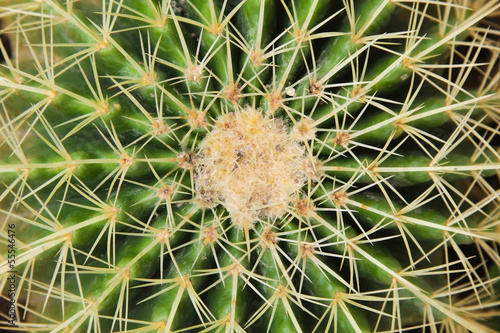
[(250, 166)]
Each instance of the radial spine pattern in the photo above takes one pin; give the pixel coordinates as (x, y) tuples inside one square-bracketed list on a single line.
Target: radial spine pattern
[(249, 166)]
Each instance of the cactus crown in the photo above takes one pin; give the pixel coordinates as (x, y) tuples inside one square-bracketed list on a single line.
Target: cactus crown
[(249, 166), (252, 165)]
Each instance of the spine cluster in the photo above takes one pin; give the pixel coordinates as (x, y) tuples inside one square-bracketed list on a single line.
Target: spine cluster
[(249, 166)]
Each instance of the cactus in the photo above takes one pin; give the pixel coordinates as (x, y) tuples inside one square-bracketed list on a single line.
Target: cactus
[(249, 166)]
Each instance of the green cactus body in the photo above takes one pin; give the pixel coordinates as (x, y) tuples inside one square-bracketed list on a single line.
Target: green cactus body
[(249, 166)]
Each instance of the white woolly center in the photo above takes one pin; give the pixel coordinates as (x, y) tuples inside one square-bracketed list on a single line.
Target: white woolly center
[(251, 165)]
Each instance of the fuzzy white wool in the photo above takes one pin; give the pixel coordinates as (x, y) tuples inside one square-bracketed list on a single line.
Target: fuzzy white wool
[(250, 164)]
